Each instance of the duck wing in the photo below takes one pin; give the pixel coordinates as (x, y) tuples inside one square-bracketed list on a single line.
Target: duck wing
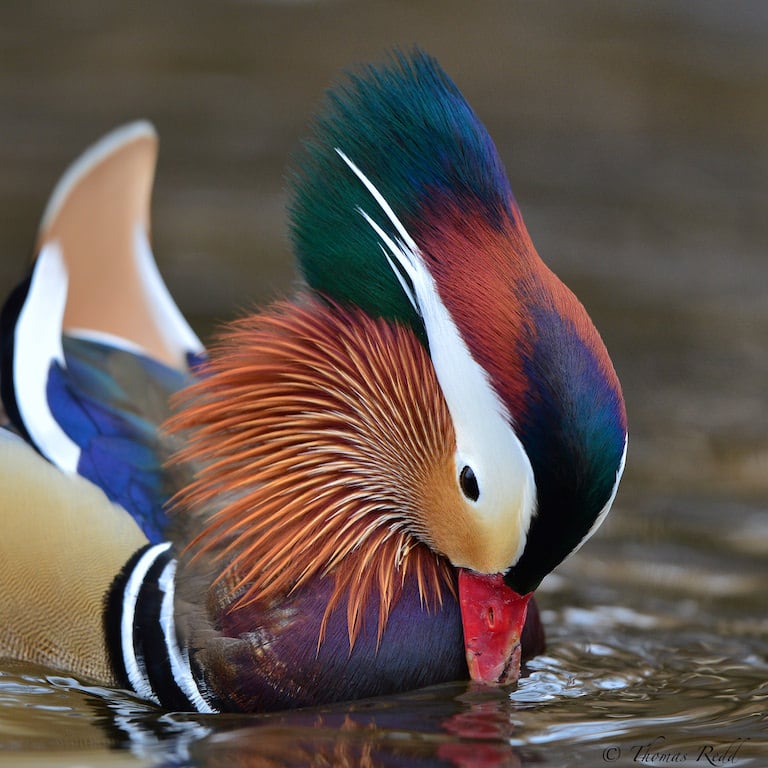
[(93, 346)]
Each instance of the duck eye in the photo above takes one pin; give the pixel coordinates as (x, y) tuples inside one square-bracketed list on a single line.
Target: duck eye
[(468, 483)]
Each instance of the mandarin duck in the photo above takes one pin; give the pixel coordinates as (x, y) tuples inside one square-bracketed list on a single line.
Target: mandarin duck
[(352, 492)]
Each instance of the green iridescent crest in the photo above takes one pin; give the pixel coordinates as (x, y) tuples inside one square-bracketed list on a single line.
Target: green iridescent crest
[(408, 129)]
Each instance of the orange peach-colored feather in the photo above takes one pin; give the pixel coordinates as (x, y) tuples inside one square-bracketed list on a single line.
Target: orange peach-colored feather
[(313, 430)]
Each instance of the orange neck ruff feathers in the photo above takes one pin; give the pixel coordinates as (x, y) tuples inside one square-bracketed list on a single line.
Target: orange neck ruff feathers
[(317, 434)]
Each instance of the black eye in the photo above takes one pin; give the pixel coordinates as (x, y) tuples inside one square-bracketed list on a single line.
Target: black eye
[(468, 483)]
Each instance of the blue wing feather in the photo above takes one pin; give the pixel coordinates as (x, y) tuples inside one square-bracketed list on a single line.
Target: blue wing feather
[(111, 402)]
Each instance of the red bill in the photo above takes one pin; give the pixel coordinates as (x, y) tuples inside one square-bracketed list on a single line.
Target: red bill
[(493, 616)]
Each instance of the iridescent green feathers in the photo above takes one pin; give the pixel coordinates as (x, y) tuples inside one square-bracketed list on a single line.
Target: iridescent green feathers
[(410, 131)]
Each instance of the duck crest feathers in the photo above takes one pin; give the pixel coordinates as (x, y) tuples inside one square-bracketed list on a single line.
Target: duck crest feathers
[(304, 428), (408, 129)]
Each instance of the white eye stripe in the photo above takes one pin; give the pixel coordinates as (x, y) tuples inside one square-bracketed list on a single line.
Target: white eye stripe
[(404, 251), (398, 252), (383, 204), (485, 438)]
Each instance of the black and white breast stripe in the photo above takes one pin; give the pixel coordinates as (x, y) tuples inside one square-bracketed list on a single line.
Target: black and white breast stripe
[(141, 633)]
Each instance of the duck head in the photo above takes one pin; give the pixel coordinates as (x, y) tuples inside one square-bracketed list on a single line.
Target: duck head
[(433, 415), (439, 245)]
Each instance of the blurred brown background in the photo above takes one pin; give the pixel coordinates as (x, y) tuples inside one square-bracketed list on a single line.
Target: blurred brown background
[(635, 135)]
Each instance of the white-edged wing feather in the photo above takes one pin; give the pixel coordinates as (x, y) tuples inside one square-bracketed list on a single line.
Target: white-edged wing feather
[(95, 277), (37, 344)]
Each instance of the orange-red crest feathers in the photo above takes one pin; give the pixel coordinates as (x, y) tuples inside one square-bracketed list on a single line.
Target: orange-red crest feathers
[(313, 431)]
